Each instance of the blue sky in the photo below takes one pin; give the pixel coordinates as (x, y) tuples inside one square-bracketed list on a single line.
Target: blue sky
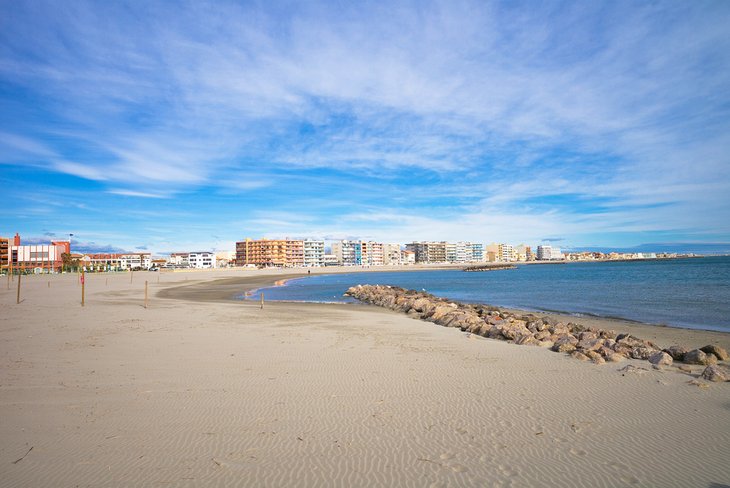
[(189, 125)]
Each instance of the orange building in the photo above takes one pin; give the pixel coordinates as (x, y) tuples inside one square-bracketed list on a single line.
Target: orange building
[(270, 252), (4, 254)]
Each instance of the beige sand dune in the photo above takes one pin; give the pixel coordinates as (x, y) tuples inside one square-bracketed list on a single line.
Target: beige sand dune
[(203, 391)]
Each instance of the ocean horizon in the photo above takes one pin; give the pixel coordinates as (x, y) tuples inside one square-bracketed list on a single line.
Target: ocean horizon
[(688, 293)]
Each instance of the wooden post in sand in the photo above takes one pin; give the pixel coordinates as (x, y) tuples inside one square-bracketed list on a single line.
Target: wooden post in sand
[(262, 300), (17, 300), (131, 274), (145, 294), (83, 288)]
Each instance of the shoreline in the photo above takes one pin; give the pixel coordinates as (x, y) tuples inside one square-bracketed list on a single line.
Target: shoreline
[(664, 335)]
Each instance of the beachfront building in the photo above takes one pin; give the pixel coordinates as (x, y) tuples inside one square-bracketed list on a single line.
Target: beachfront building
[(201, 260), (36, 258), (101, 262), (477, 252), (348, 253), (408, 257), (4, 254), (428, 252), (371, 253), (262, 252), (330, 260), (392, 255), (524, 253), (270, 252), (294, 252), (548, 253), (313, 253), (135, 260), (179, 259)]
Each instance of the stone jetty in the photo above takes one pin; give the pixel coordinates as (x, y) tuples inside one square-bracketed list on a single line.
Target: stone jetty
[(580, 342)]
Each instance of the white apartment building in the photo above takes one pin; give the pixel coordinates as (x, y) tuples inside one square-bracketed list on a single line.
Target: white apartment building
[(313, 253), (201, 260), (136, 260), (548, 253)]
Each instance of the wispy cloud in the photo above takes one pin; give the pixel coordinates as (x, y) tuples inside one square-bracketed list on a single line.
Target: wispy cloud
[(600, 122)]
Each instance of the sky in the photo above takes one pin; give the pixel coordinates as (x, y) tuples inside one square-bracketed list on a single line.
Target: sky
[(174, 125)]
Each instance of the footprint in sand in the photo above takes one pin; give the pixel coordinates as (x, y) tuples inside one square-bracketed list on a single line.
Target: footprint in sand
[(577, 452)]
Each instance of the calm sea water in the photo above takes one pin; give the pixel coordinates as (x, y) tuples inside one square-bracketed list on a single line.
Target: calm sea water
[(692, 293)]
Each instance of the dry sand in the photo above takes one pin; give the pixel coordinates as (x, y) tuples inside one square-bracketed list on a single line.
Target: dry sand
[(199, 390)]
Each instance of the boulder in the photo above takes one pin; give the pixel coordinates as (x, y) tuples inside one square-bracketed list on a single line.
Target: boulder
[(660, 359), (579, 356), (541, 335), (718, 351), (695, 356), (526, 340), (615, 358), (590, 344), (565, 347), (587, 335), (642, 352), (565, 339), (714, 373), (677, 352), (545, 344)]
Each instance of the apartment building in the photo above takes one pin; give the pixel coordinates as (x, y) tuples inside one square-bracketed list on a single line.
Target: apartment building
[(271, 252), (313, 253), (101, 261), (524, 253), (428, 252), (548, 253), (348, 253), (262, 252), (136, 260), (372, 253), (4, 254), (38, 258), (392, 254), (201, 260)]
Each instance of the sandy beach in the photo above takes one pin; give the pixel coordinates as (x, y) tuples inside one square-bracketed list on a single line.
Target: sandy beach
[(198, 389)]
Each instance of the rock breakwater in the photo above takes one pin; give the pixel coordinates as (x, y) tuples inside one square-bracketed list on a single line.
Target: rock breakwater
[(580, 342)]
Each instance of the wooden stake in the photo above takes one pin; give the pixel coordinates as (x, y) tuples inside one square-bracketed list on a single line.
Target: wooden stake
[(49, 284), (131, 274), (145, 294), (83, 288), (262, 300), (17, 300)]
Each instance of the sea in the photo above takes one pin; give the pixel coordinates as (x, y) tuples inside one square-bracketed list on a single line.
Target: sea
[(689, 293)]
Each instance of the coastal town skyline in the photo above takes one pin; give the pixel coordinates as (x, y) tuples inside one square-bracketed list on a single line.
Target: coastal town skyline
[(182, 126)]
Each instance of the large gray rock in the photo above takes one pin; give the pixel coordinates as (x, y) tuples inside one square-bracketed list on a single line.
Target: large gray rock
[(677, 352), (714, 373), (642, 352), (660, 358), (718, 351), (590, 344), (695, 356)]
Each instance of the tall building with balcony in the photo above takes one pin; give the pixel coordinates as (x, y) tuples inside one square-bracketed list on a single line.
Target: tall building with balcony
[(548, 253), (372, 253), (348, 253), (313, 253), (392, 254), (4, 254), (428, 252), (262, 252)]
